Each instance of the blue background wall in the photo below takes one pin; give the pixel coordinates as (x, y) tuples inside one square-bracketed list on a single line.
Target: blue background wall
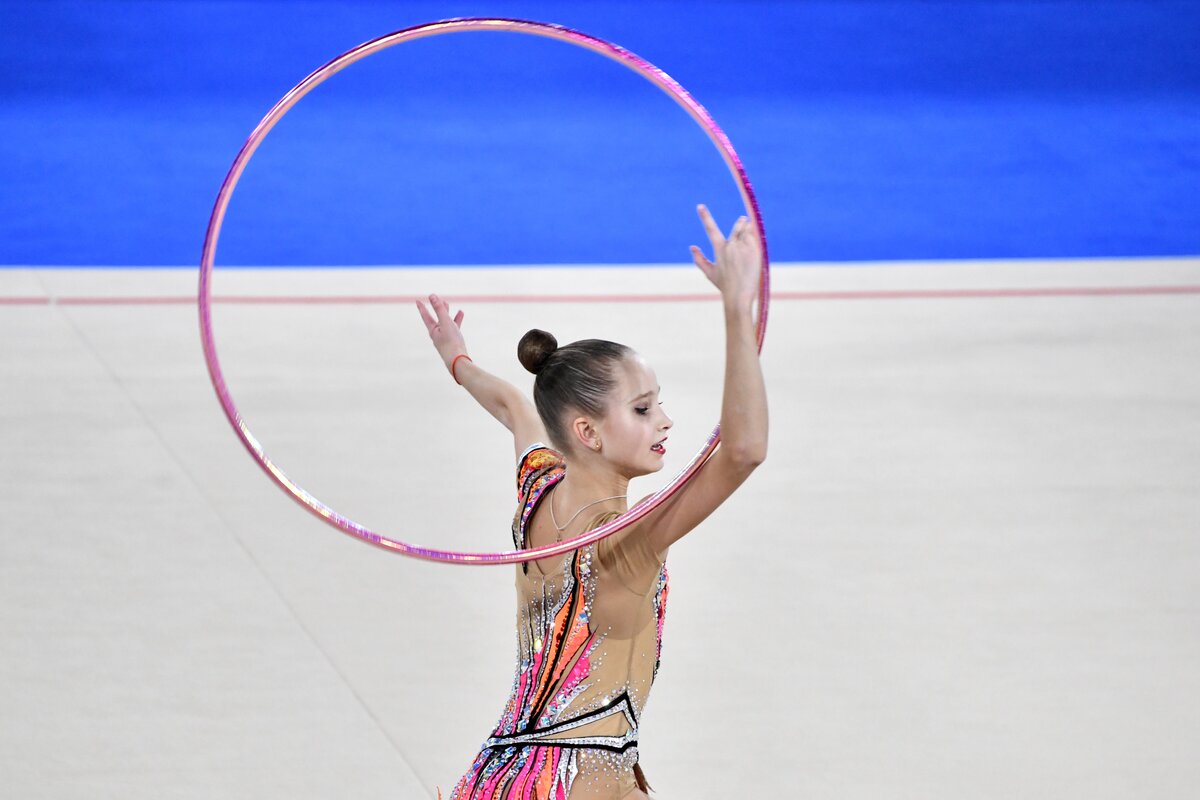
[(871, 130)]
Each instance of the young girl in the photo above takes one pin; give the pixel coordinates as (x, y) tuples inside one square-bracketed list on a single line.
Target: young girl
[(589, 623)]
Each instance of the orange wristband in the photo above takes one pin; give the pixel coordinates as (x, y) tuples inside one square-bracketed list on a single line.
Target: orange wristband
[(454, 364)]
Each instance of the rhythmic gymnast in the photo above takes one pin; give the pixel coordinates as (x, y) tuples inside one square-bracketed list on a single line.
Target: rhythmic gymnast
[(589, 623)]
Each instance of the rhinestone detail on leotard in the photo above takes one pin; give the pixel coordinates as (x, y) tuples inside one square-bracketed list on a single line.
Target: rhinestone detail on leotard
[(561, 728)]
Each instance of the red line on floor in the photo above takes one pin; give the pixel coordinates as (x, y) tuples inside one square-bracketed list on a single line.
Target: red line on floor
[(877, 294)]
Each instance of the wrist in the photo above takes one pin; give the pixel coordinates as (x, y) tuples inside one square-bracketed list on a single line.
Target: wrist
[(455, 365), (736, 307)]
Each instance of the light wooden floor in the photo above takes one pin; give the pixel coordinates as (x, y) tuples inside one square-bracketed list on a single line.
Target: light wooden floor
[(969, 567)]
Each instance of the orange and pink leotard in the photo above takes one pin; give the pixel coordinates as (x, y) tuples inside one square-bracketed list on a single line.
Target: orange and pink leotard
[(589, 640)]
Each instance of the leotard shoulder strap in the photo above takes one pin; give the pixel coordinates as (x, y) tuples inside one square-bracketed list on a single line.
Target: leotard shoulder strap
[(539, 468)]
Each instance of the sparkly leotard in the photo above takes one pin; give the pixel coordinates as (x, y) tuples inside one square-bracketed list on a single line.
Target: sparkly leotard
[(589, 637)]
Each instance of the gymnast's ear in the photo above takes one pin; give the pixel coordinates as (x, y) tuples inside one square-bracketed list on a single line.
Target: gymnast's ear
[(583, 434)]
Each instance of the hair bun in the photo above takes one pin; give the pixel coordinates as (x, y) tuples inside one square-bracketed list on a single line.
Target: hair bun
[(535, 347)]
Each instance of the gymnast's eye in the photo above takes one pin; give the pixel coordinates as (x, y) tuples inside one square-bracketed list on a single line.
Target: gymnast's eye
[(642, 409)]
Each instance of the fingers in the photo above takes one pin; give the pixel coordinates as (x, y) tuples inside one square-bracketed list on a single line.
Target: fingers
[(741, 228), (703, 263), (441, 308), (710, 225), (440, 316), (430, 322)]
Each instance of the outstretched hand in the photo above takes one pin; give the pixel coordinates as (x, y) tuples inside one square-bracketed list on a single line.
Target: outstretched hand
[(446, 333), (737, 261)]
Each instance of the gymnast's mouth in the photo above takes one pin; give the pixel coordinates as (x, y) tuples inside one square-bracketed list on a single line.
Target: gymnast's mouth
[(659, 448)]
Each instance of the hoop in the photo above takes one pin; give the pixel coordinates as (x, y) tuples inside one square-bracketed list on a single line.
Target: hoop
[(315, 506)]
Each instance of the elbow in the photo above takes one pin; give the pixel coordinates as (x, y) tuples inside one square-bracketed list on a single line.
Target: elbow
[(749, 456)]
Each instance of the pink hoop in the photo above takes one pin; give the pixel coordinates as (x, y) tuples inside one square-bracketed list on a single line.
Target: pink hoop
[(348, 526)]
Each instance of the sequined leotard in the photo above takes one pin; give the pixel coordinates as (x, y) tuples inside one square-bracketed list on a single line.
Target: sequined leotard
[(589, 638)]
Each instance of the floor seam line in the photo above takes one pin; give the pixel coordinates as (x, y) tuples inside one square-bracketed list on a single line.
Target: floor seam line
[(232, 532)]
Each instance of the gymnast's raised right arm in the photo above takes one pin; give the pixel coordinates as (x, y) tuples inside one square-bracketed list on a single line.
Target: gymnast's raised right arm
[(501, 399)]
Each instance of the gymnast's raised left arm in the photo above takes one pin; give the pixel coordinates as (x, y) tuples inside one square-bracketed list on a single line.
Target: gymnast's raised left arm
[(735, 271), (501, 399)]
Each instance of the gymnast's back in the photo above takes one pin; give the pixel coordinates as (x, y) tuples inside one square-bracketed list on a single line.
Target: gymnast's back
[(589, 638)]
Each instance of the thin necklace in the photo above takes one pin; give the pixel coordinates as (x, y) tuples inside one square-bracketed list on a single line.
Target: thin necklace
[(564, 526)]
